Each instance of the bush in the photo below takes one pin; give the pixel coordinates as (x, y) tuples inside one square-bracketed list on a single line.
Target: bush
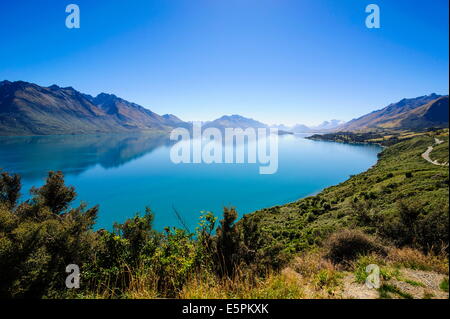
[(9, 189), (228, 244), (40, 237), (345, 246), (444, 285), (414, 226)]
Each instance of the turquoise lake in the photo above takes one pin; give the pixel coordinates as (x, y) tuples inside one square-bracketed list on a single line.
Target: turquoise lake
[(126, 173)]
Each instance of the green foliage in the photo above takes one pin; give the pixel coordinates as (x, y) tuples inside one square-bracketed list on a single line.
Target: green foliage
[(402, 199), (411, 225), (41, 236), (386, 291), (327, 279), (38, 241), (414, 283), (444, 285), (205, 242), (54, 194), (174, 261), (227, 243), (440, 152), (278, 287), (9, 189), (139, 236)]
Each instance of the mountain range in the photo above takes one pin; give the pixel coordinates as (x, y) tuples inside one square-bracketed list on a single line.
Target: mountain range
[(323, 127), (30, 109), (234, 121), (408, 114)]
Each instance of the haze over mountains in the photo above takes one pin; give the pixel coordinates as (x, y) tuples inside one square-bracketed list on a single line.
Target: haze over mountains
[(323, 127), (234, 121), (30, 109)]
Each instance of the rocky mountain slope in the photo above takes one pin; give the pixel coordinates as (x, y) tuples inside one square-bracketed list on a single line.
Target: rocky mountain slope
[(30, 109), (411, 114)]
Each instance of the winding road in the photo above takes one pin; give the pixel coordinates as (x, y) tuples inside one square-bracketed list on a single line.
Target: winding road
[(426, 154)]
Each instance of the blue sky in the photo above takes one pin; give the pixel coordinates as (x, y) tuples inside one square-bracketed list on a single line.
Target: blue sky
[(278, 61)]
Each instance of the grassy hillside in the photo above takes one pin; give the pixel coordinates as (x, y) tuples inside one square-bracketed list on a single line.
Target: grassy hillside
[(373, 200), (440, 152), (385, 137)]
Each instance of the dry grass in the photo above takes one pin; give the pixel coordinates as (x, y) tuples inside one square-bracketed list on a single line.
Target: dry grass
[(414, 259), (311, 275), (143, 286), (319, 277), (284, 285), (309, 264)]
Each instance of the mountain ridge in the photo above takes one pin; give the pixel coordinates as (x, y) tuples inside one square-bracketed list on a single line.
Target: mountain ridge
[(234, 121), (29, 109), (408, 113)]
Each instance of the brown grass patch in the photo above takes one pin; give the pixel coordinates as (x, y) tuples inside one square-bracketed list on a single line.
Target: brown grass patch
[(415, 259)]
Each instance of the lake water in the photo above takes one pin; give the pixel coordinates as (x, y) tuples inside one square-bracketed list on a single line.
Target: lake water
[(126, 173)]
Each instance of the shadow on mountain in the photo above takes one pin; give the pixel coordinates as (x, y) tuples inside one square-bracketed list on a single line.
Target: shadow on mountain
[(33, 156)]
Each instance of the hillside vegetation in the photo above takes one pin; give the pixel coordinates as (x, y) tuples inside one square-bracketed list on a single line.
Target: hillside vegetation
[(394, 215), (401, 183), (379, 136)]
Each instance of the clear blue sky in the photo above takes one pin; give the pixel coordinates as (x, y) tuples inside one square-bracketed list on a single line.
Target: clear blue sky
[(280, 61)]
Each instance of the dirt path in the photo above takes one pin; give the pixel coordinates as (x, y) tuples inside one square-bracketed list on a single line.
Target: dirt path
[(426, 154), (416, 284)]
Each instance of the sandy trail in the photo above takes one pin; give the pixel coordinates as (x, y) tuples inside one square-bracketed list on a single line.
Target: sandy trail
[(426, 154)]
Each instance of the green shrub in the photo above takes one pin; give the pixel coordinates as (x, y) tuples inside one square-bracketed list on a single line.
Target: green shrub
[(444, 285), (40, 237), (412, 225), (387, 290), (228, 244)]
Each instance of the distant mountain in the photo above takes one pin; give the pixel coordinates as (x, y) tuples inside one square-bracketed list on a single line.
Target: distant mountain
[(416, 113), (300, 128), (30, 109), (234, 121), (281, 127), (328, 125)]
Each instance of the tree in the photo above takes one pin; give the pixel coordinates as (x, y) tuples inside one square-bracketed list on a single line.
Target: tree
[(9, 189), (228, 243), (40, 237)]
